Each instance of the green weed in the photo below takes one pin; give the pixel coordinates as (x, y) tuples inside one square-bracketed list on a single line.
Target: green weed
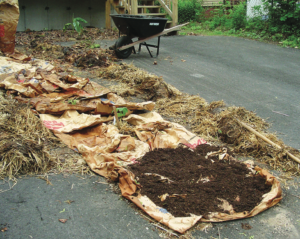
[(75, 24)]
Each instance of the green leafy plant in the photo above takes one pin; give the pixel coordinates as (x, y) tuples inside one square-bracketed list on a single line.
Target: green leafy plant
[(273, 20), (76, 24), (136, 182), (72, 102), (283, 16), (95, 46), (189, 10)]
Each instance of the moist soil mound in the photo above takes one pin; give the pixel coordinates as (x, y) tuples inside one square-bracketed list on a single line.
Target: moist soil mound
[(196, 184)]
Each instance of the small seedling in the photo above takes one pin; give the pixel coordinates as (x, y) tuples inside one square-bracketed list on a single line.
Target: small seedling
[(95, 46), (75, 24), (136, 182), (73, 102)]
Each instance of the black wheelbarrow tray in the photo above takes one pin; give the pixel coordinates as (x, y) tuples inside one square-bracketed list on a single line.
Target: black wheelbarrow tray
[(142, 27)]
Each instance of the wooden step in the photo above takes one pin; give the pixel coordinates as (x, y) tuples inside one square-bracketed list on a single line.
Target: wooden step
[(149, 2), (153, 14), (149, 6)]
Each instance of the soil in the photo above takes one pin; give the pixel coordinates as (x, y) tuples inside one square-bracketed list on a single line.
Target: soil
[(191, 193)]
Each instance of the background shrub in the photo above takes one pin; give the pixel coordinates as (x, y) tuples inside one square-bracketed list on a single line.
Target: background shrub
[(189, 10)]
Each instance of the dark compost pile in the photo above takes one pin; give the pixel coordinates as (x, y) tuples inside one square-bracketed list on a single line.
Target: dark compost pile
[(193, 184)]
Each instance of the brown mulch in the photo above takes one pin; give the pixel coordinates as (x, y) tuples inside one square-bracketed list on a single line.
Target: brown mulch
[(188, 190), (32, 37), (84, 54)]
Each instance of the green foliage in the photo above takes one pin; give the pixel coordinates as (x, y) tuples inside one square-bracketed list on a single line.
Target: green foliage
[(229, 18), (284, 16), (277, 22), (72, 102), (95, 46), (76, 24), (189, 10)]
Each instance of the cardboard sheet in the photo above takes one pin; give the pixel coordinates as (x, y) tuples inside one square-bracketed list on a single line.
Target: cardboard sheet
[(71, 120)]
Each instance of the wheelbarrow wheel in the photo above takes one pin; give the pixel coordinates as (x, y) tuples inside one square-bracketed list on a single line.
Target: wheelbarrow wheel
[(122, 41)]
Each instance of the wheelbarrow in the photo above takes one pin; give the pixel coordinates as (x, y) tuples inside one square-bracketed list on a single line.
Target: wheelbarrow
[(142, 27)]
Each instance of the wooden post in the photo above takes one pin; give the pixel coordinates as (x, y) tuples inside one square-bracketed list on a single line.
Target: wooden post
[(267, 140), (175, 13), (107, 13), (134, 7)]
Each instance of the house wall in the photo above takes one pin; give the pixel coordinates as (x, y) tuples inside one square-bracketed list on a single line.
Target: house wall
[(251, 12), (54, 14)]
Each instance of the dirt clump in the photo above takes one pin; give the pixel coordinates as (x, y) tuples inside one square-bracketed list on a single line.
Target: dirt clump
[(187, 182)]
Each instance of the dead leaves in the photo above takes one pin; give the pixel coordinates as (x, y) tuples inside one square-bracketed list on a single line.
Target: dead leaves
[(63, 220), (246, 226), (69, 201)]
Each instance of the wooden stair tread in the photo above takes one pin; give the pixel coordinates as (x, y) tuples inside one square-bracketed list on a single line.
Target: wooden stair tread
[(153, 14), (149, 6)]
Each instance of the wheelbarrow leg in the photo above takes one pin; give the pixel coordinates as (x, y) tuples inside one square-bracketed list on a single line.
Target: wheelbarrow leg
[(148, 49), (150, 45), (158, 43)]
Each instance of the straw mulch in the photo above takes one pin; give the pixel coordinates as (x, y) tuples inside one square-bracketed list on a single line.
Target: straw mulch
[(26, 144), (139, 82)]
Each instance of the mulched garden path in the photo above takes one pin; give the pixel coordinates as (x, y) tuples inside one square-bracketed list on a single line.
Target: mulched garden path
[(188, 171)]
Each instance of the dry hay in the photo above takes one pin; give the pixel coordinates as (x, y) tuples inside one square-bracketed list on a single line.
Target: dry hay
[(149, 86), (193, 112), (68, 162), (24, 141), (28, 147), (246, 143), (219, 124), (127, 129), (122, 90)]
